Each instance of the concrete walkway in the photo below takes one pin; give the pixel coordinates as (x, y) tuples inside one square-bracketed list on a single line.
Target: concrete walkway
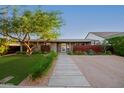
[(67, 74)]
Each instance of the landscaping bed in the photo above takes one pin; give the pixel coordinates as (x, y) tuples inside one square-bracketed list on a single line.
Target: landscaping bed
[(21, 66), (90, 50)]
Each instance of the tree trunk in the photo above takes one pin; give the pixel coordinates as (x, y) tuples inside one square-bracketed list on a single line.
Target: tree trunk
[(105, 49), (29, 49)]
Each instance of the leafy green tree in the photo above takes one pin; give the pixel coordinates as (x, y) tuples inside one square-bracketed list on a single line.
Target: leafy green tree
[(105, 45), (3, 46), (43, 24), (118, 45)]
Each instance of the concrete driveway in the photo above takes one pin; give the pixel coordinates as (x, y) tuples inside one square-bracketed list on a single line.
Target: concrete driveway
[(101, 71)]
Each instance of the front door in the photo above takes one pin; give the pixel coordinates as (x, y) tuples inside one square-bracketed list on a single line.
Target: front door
[(63, 47)]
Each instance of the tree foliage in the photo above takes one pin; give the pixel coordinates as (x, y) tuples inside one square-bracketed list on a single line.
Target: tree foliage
[(3, 46), (22, 27), (118, 45), (105, 45)]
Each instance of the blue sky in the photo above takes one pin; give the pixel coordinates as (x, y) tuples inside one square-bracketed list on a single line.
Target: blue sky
[(79, 20)]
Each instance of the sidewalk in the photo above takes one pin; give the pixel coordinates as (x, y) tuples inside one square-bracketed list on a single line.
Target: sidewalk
[(67, 74)]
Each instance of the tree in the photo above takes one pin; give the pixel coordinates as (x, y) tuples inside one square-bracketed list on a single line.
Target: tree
[(105, 45), (3, 46), (43, 24), (118, 44)]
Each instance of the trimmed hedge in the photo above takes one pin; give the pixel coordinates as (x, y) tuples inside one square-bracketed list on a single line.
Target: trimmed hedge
[(118, 45)]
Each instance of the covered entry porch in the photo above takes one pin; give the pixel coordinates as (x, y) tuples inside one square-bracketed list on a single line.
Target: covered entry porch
[(66, 45)]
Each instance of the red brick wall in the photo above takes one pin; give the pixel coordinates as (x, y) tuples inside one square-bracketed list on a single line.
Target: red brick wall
[(96, 48)]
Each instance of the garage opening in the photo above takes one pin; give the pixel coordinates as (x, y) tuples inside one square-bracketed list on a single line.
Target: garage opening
[(13, 49)]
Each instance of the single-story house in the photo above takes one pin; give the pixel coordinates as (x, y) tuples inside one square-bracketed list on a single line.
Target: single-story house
[(101, 36), (58, 45), (66, 45)]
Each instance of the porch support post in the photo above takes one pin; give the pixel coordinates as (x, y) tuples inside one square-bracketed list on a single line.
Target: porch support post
[(71, 47), (21, 48)]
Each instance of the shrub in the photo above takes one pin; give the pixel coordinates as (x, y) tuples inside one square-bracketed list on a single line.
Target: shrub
[(18, 52), (118, 45), (38, 52), (70, 53), (40, 68), (52, 54), (100, 53), (96, 48), (84, 53), (43, 65), (2, 49), (105, 53), (108, 52), (91, 52), (77, 52)]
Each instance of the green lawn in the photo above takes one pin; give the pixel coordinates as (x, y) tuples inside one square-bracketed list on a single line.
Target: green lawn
[(18, 66)]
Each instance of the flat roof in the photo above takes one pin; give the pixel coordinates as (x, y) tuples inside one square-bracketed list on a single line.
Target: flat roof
[(65, 40)]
